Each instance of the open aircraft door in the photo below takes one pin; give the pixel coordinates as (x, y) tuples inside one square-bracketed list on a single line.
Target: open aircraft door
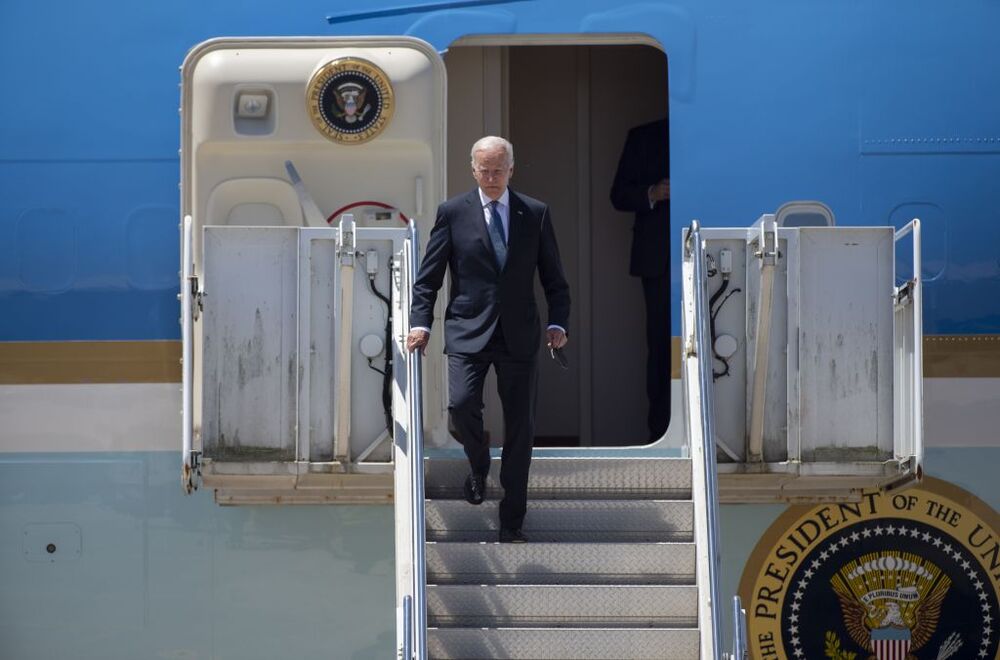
[(303, 161)]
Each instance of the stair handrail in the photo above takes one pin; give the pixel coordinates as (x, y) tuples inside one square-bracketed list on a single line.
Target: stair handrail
[(914, 291), (739, 630), (407, 627), (189, 302), (417, 615), (694, 248)]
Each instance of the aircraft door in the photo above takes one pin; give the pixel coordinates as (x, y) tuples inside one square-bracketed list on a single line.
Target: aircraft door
[(302, 162)]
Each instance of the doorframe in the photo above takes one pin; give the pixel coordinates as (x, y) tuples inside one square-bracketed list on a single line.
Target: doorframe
[(496, 76)]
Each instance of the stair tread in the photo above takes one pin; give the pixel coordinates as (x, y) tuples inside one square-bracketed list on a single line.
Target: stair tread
[(618, 605), (609, 571), (564, 520), (564, 643), (615, 477), (568, 562)]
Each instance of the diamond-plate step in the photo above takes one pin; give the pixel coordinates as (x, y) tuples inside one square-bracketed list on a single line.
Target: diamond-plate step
[(553, 606), (566, 520), (565, 563), (573, 478), (563, 643)]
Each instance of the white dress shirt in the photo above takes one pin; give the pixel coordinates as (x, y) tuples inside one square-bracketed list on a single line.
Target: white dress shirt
[(503, 208)]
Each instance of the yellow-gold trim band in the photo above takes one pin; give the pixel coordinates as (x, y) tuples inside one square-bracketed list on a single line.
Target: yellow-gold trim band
[(89, 362), (80, 362), (962, 356)]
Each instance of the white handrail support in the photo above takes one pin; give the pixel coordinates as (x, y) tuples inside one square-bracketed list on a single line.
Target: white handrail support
[(768, 254), (909, 364), (415, 450), (188, 283), (347, 241), (739, 630), (699, 413)]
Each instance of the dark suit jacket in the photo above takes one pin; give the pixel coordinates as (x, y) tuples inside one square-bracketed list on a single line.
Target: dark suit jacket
[(645, 161), (482, 295)]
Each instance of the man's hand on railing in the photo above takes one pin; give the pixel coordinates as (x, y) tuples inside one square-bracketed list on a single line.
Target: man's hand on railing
[(417, 338)]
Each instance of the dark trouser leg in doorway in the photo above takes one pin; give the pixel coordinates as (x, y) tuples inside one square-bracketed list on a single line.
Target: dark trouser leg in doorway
[(657, 294)]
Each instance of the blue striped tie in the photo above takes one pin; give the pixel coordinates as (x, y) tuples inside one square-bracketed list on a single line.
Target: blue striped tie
[(496, 235)]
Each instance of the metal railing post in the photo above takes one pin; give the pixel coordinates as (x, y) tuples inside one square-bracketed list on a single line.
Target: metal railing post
[(915, 423), (188, 466), (415, 442), (407, 628), (701, 350), (739, 630)]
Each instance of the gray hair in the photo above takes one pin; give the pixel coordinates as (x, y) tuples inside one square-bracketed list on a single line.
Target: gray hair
[(492, 142)]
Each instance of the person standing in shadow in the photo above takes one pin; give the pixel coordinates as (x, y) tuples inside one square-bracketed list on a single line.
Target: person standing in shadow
[(642, 187)]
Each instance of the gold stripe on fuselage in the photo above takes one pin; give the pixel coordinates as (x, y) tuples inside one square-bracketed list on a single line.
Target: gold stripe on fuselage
[(89, 362), (79, 362), (962, 356)]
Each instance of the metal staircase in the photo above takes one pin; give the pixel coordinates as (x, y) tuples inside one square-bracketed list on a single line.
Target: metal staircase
[(623, 556), (610, 570)]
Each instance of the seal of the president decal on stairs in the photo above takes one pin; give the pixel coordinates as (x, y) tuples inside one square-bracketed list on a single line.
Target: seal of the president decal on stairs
[(912, 575)]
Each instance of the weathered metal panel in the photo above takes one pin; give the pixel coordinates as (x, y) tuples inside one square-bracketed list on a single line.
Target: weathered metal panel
[(845, 352), (249, 335), (323, 278), (730, 312), (368, 420)]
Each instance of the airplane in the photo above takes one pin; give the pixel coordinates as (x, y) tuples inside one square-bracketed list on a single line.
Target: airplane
[(134, 528)]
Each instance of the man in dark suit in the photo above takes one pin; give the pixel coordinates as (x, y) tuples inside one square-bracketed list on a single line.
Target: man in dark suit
[(642, 187), (493, 241)]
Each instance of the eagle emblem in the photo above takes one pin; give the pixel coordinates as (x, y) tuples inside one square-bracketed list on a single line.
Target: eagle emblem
[(891, 602), (350, 98)]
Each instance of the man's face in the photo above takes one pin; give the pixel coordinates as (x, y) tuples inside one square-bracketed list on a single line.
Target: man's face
[(490, 169)]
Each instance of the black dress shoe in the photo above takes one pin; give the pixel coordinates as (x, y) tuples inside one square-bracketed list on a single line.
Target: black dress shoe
[(475, 488), (512, 536)]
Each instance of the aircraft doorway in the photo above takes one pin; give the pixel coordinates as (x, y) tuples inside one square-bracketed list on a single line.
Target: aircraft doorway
[(567, 110)]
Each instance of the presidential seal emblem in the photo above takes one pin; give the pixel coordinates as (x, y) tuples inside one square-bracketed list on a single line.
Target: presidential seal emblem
[(906, 576), (350, 100)]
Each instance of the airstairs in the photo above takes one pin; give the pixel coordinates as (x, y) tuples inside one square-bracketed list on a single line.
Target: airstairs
[(623, 557), (610, 570)]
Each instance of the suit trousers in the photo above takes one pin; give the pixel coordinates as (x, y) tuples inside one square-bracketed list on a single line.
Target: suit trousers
[(657, 293), (517, 380)]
